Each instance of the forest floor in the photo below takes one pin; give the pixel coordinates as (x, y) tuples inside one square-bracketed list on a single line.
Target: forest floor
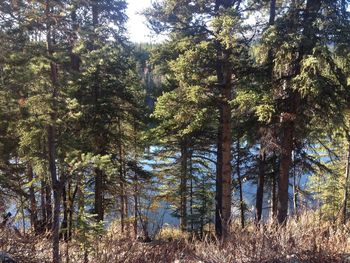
[(304, 240)]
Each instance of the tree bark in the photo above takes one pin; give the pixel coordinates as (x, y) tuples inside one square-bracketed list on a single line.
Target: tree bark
[(295, 187), (48, 206), (64, 224), (43, 205), (136, 186), (218, 192), (274, 177), (33, 205), (240, 183), (286, 160), (99, 194), (224, 156), (224, 72), (191, 189), (183, 187), (121, 178), (346, 186), (260, 186)]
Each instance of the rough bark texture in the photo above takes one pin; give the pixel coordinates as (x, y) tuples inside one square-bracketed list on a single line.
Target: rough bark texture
[(224, 155), (286, 160)]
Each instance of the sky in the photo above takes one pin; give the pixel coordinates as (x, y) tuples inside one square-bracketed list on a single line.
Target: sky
[(138, 31)]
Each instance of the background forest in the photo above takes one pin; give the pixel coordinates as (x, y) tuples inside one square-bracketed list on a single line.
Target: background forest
[(229, 141)]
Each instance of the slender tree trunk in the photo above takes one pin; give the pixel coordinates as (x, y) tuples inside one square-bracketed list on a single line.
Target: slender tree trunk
[(183, 187), (218, 192), (346, 187), (136, 205), (71, 199), (43, 204), (191, 189), (48, 208), (125, 193), (51, 135), (271, 23), (121, 177), (295, 187), (80, 197), (136, 188), (57, 193), (33, 205), (204, 208), (99, 194), (260, 186), (75, 59), (64, 224), (240, 183), (274, 187)]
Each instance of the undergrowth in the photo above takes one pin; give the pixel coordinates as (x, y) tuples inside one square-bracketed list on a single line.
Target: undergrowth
[(307, 239)]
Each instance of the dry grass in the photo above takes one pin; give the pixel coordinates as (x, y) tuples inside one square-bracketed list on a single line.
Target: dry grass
[(305, 240)]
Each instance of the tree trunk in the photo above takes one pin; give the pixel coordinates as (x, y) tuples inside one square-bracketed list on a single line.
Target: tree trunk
[(291, 104), (286, 160), (274, 187), (99, 194), (125, 193), (191, 190), (183, 187), (224, 169), (346, 187), (136, 188), (136, 205), (240, 183), (218, 192), (262, 155), (57, 193), (51, 135), (224, 141), (64, 224), (295, 188), (33, 205), (121, 177), (260, 186), (75, 59), (48, 207), (43, 205)]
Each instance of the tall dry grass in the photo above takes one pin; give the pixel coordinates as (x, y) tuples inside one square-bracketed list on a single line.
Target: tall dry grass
[(307, 239)]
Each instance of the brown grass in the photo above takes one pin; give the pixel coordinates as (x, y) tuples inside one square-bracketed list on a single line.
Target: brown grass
[(305, 240)]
